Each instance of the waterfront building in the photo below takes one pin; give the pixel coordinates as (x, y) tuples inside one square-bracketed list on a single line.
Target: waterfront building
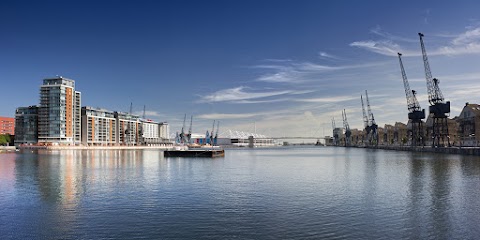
[(99, 127), (153, 133), (388, 134), (59, 112), (469, 125), (236, 139), (7, 125), (400, 134), (26, 125), (356, 137), (127, 128)]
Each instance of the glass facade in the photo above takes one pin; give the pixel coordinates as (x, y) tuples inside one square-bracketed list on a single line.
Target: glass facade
[(59, 112), (26, 121)]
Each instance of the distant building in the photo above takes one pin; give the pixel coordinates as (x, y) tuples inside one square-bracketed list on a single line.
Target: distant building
[(153, 133), (101, 127), (59, 112), (388, 133), (400, 134), (469, 125), (7, 125), (237, 139), (26, 121)]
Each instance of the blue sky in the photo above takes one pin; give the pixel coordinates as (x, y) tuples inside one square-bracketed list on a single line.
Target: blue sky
[(288, 66)]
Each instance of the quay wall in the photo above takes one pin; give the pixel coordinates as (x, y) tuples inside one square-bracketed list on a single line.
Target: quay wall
[(7, 148), (160, 147), (446, 150)]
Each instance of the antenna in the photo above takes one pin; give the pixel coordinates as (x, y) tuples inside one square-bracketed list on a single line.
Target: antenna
[(143, 111)]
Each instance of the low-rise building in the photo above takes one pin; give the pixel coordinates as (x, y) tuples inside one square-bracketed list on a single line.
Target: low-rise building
[(26, 121), (469, 125), (102, 127), (7, 125)]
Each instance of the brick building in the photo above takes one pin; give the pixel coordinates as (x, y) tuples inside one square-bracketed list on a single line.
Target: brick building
[(7, 125)]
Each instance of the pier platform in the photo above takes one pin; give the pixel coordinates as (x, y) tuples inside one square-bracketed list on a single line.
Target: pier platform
[(209, 153)]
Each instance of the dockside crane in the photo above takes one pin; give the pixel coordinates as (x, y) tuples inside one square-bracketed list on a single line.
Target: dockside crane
[(439, 109), (182, 133), (373, 136), (335, 132), (348, 132), (366, 125), (211, 133), (415, 113), (215, 139)]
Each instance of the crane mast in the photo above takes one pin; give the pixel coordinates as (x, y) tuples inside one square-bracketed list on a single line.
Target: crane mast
[(211, 133), (335, 132), (412, 102), (415, 112), (439, 109), (348, 132), (216, 134), (182, 133), (365, 118), (373, 136), (371, 119), (434, 93), (189, 134)]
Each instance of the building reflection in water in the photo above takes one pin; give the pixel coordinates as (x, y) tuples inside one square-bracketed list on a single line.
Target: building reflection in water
[(64, 175), (7, 175)]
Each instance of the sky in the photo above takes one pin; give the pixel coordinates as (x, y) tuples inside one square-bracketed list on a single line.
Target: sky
[(284, 68)]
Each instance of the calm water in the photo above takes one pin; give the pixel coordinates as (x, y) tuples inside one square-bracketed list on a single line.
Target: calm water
[(284, 193)]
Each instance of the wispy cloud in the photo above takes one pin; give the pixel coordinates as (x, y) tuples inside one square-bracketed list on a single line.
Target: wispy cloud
[(239, 94), (335, 99), (301, 72), (227, 115), (385, 47), (464, 43), (148, 113), (328, 56), (380, 32)]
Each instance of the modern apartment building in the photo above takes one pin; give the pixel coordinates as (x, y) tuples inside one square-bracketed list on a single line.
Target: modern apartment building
[(102, 127), (153, 132), (99, 127), (60, 120), (26, 121), (59, 112), (7, 125)]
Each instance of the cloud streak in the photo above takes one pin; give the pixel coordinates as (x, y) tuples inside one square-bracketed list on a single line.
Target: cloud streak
[(462, 44), (239, 95)]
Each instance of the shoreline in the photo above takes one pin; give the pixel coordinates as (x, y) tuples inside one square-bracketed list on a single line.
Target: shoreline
[(163, 147), (473, 151)]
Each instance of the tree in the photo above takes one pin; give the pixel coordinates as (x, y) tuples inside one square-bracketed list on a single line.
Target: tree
[(5, 139)]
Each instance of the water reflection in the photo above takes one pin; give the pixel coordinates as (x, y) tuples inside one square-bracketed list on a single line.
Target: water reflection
[(289, 193)]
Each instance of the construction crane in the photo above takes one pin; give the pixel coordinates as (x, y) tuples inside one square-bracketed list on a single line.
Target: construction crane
[(348, 132), (373, 136), (439, 109), (415, 113), (335, 132)]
